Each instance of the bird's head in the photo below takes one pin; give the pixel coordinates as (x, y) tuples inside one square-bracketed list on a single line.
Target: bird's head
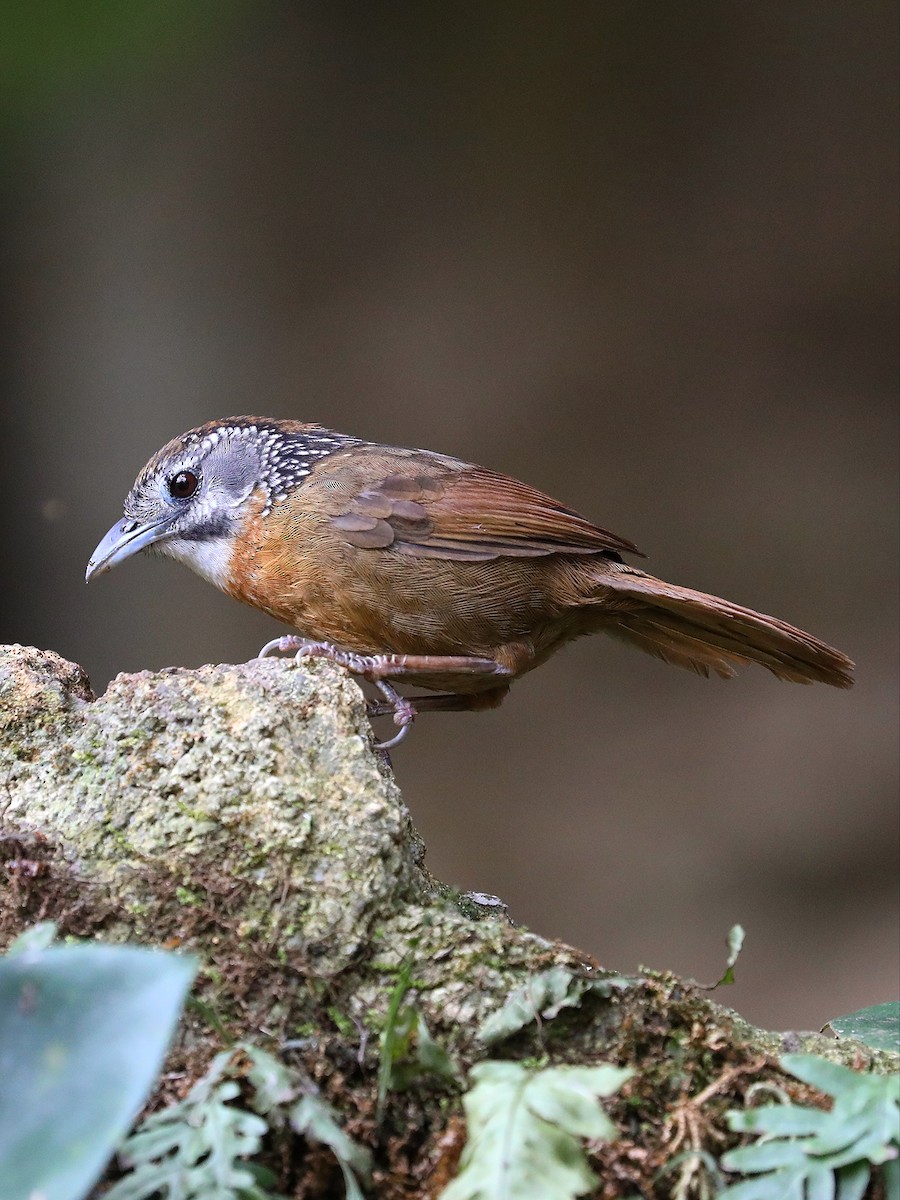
[(190, 501)]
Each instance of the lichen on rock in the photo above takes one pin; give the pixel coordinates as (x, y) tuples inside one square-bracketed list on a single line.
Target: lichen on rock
[(261, 773)]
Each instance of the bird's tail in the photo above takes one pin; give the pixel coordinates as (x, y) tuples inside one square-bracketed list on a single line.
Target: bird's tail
[(705, 633)]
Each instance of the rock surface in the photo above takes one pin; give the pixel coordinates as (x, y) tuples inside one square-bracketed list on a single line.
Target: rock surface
[(240, 812), (261, 771)]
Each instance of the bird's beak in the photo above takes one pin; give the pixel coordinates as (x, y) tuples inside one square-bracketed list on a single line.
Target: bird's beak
[(125, 538)]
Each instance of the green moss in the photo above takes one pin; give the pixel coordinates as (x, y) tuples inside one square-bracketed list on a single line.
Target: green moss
[(342, 1023)]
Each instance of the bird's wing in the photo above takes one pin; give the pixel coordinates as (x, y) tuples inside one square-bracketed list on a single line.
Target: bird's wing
[(456, 511)]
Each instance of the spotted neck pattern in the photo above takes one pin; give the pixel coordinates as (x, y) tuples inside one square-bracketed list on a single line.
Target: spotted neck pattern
[(286, 457)]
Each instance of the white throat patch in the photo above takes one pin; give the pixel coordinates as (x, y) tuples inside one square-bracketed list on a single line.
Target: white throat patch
[(210, 558)]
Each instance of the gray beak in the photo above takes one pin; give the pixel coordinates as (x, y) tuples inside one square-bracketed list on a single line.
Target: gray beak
[(125, 538)]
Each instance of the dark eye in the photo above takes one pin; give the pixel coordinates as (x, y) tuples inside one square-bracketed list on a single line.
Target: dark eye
[(183, 485)]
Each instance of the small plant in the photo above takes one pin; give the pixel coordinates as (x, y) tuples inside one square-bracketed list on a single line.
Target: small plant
[(526, 1127), (285, 1094), (408, 1050), (804, 1153), (542, 998), (735, 944), (199, 1149)]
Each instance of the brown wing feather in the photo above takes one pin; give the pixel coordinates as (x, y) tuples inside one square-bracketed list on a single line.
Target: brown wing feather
[(469, 513)]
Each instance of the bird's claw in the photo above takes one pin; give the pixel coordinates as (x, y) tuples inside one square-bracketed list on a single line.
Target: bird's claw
[(403, 712), (290, 643)]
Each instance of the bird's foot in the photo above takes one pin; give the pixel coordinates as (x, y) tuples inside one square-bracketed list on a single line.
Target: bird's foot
[(455, 671), (370, 667)]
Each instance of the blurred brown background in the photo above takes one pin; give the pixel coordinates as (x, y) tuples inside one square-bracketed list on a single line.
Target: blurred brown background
[(641, 255)]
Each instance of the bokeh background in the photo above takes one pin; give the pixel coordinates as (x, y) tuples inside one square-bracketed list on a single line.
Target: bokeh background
[(641, 255)]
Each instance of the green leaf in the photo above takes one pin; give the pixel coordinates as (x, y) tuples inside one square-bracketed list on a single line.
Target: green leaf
[(877, 1026), (83, 1030), (892, 1179), (735, 945), (782, 1119), (195, 1150), (275, 1084), (392, 1035), (821, 1155), (548, 991), (735, 942), (568, 1097), (38, 937), (272, 1081), (852, 1181), (314, 1118), (780, 1185), (820, 1184), (764, 1156), (431, 1055), (844, 1133), (820, 1073), (416, 1053), (544, 996), (408, 1051), (525, 1128)]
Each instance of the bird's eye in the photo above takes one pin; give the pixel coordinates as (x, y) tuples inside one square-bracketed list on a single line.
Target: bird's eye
[(183, 485)]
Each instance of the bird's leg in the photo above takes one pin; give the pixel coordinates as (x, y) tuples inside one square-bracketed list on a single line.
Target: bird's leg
[(405, 709), (449, 702), (384, 666), (399, 708), (379, 668)]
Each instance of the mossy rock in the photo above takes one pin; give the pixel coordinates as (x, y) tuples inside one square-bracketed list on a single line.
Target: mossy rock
[(241, 812)]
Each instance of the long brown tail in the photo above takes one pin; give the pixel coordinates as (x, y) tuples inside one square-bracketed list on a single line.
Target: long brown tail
[(705, 633)]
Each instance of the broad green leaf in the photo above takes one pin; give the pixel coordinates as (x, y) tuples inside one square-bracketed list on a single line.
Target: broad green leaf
[(569, 1100), (416, 1053), (844, 1133), (431, 1055), (83, 1030), (877, 1026), (524, 1130), (820, 1073), (553, 989)]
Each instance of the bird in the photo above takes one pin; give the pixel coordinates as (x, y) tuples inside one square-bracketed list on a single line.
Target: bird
[(412, 567)]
